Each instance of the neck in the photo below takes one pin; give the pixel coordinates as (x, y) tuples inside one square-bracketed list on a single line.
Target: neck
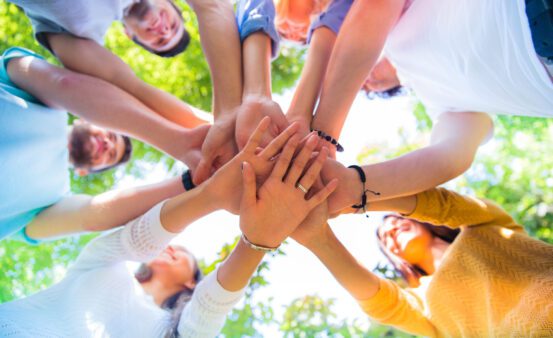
[(432, 261), (159, 291)]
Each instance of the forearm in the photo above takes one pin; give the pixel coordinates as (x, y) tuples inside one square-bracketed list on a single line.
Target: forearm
[(236, 271), (105, 211), (358, 46), (221, 46), (257, 65), (312, 76), (97, 101), (87, 57), (355, 278)]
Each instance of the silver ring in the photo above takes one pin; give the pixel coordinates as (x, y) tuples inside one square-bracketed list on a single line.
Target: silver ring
[(301, 187)]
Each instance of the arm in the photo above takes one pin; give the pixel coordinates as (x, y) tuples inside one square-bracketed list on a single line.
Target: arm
[(87, 57), (103, 104), (311, 79), (358, 46), (455, 140), (79, 213), (382, 300)]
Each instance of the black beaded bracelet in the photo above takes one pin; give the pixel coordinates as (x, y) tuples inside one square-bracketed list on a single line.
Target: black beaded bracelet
[(363, 178), (330, 139), (186, 178)]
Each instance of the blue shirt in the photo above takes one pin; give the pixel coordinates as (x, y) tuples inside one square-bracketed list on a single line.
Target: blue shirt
[(259, 15), (33, 152)]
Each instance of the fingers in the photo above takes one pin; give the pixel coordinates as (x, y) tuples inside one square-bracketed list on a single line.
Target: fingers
[(312, 173), (300, 161), (255, 138), (285, 158), (278, 142), (203, 170), (249, 192), (322, 195)]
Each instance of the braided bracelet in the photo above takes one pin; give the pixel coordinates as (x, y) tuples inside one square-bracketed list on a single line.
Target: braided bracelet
[(363, 178), (330, 139)]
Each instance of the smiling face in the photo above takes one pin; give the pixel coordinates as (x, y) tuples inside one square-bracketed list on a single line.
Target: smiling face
[(382, 77), (405, 238), (93, 149), (174, 266), (156, 24)]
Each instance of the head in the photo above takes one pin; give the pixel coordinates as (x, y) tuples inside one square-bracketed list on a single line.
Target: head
[(174, 272), (93, 149), (157, 26), (382, 80), (406, 242), (293, 18)]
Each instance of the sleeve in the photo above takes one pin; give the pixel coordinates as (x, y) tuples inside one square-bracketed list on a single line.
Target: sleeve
[(400, 308), (207, 311), (8, 55), (440, 206), (139, 240), (257, 15), (332, 18)]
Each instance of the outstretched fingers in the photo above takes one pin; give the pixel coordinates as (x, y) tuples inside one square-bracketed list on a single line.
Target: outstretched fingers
[(278, 142), (249, 186), (323, 194), (255, 138), (300, 162), (312, 173), (285, 158)]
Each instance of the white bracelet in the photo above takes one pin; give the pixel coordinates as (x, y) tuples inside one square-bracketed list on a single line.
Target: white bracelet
[(257, 247)]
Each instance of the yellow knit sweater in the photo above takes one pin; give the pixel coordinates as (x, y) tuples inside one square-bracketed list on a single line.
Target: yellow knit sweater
[(494, 280)]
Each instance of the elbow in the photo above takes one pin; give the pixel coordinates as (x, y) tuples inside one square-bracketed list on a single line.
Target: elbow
[(455, 164)]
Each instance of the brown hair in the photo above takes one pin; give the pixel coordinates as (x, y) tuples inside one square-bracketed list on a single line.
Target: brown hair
[(409, 272)]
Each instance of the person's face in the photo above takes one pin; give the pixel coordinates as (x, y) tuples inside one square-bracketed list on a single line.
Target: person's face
[(105, 147), (174, 266), (294, 20), (155, 24), (382, 77), (405, 238)]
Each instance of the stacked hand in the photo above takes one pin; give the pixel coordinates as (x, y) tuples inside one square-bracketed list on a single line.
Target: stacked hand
[(272, 212)]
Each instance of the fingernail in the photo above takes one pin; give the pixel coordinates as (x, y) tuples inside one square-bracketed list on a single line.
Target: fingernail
[(243, 165)]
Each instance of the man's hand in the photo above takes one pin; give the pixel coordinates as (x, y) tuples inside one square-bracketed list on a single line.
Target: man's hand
[(251, 112), (270, 214), (226, 183), (194, 139), (218, 148)]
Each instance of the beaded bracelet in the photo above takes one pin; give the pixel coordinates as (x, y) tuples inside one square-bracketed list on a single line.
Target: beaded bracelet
[(257, 247), (363, 178), (330, 139)]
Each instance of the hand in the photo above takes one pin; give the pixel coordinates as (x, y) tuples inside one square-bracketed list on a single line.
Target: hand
[(218, 148), (349, 190), (194, 139), (270, 215), (313, 226), (251, 112), (226, 183)]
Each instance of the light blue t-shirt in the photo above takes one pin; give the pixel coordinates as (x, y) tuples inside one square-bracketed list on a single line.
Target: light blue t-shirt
[(33, 153)]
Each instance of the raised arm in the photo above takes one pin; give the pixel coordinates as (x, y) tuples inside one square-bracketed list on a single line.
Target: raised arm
[(358, 47), (103, 104), (455, 140), (88, 57)]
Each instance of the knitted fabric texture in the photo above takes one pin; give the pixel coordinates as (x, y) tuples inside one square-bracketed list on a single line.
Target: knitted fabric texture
[(494, 280)]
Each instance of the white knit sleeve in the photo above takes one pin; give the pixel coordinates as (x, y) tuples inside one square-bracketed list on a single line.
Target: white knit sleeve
[(139, 240), (205, 315)]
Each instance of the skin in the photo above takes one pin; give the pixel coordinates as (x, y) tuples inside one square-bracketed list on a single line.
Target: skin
[(155, 24), (382, 77)]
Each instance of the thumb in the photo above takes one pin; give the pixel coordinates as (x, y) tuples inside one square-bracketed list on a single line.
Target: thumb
[(249, 189), (203, 171)]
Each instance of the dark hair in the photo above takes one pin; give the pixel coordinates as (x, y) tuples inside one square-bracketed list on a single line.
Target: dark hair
[(386, 94), (412, 273), (124, 159), (176, 303), (178, 48)]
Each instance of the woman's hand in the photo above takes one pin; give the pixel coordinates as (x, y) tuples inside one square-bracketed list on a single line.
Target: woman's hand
[(270, 215), (226, 184)]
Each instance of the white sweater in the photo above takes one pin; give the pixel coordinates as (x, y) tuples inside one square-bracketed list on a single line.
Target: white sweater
[(99, 296), (471, 55)]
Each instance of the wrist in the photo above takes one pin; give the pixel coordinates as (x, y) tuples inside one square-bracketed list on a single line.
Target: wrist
[(257, 247), (321, 242)]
